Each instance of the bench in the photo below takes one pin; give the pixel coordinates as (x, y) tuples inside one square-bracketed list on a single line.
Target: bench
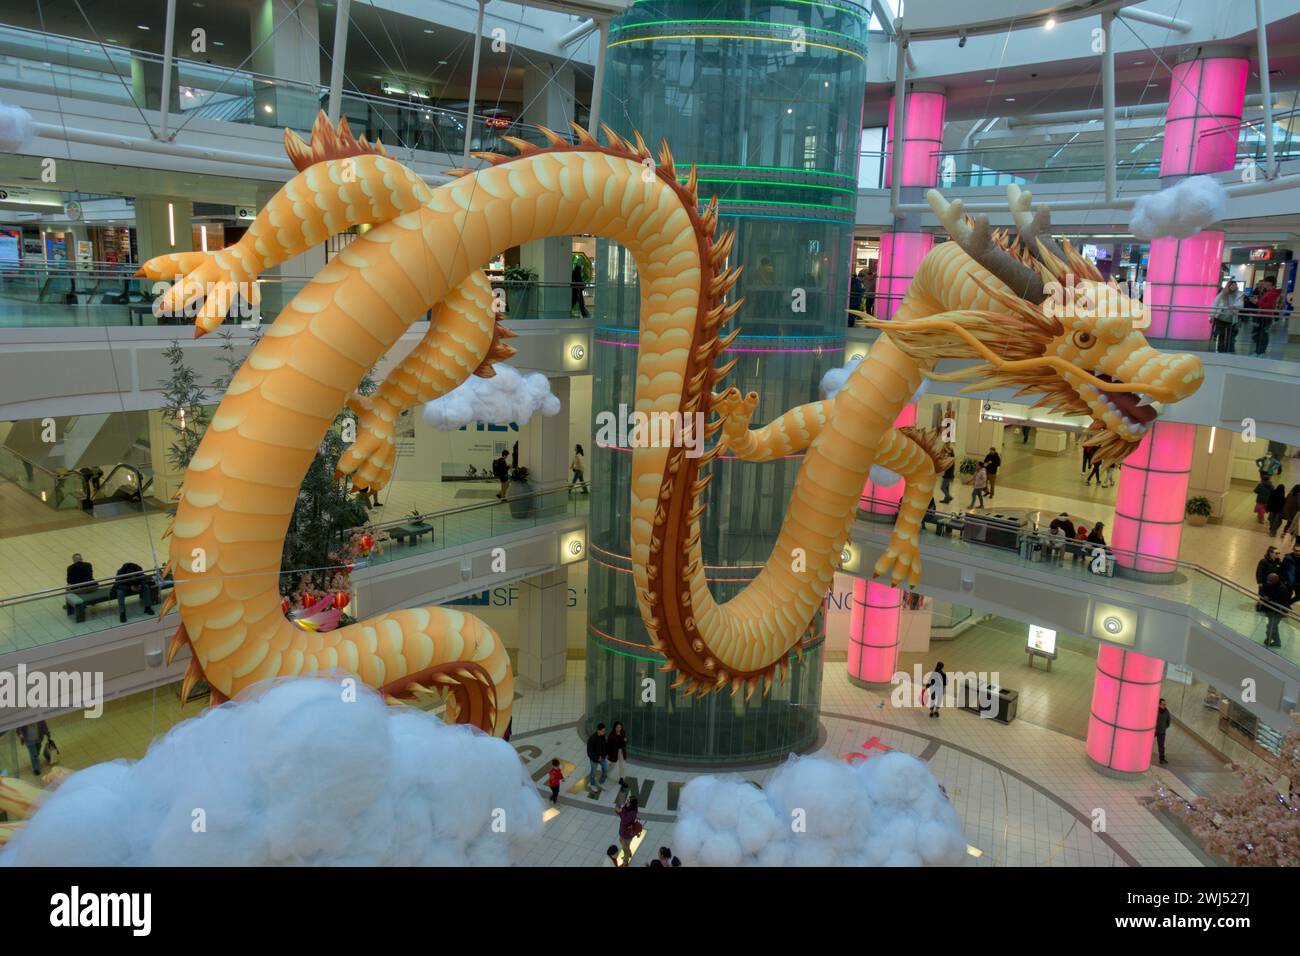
[(412, 533), (76, 602)]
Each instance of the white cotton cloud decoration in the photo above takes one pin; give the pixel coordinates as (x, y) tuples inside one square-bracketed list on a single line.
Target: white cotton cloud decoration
[(887, 810), (506, 397), (300, 774), (833, 381), (1181, 210), (16, 128)]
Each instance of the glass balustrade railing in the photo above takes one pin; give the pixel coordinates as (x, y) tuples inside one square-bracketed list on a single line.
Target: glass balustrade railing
[(1214, 597), (1082, 159), (107, 294), (58, 490), (60, 613), (66, 66)]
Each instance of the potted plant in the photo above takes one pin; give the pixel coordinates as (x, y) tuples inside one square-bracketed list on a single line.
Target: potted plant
[(967, 469), (519, 283), (1198, 510), (522, 502)]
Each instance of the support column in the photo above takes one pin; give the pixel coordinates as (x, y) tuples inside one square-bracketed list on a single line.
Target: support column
[(163, 225), (1201, 126), (874, 627), (546, 453), (543, 610), (1125, 697), (1150, 499), (1211, 469), (874, 632), (285, 38), (549, 101)]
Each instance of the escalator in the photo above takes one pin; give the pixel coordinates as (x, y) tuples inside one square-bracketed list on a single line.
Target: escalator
[(124, 490)]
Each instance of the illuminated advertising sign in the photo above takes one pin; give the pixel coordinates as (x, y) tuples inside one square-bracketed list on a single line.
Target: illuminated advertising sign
[(1042, 640)]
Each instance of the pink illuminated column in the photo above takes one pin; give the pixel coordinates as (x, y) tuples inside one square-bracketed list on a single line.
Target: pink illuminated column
[(900, 254), (873, 632), (1150, 499), (922, 139), (1201, 127), (884, 499), (1125, 695)]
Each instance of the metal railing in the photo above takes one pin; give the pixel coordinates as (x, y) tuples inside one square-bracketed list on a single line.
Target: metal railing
[(45, 616), (1214, 596)]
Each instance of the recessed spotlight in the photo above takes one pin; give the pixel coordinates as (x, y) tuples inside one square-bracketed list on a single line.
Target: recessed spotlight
[(990, 80), (442, 62), (577, 353), (1011, 99), (428, 31), (217, 43), (141, 26), (266, 108), (826, 82), (1113, 625), (789, 110), (1051, 22)]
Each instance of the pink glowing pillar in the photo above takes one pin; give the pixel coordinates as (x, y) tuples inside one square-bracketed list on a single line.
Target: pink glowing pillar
[(900, 254), (884, 499), (922, 139), (1201, 127), (873, 632), (1150, 499), (1125, 697)]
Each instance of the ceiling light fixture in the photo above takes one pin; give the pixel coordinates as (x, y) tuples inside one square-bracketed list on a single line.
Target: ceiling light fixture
[(141, 26), (1011, 99), (1051, 22)]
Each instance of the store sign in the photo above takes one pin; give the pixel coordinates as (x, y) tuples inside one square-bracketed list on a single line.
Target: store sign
[(499, 122), (1042, 640), (1262, 254)]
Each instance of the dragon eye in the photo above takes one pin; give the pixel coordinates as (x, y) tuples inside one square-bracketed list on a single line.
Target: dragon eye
[(1084, 340)]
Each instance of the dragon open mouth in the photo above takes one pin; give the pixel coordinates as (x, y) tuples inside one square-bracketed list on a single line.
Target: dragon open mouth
[(1138, 410)]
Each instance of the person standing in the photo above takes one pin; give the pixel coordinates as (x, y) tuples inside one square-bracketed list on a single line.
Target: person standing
[(1271, 563), (1163, 718), (629, 827), (501, 472), (1277, 596), (1263, 491), (992, 462), (598, 754), (978, 484), (1223, 317), (81, 573), (616, 748), (1266, 310), (1290, 570), (579, 468), (1095, 473), (855, 296), (1290, 511), (935, 688), (1088, 452), (948, 475), (869, 289), (32, 736), (578, 281), (554, 779), (1276, 508), (1268, 465)]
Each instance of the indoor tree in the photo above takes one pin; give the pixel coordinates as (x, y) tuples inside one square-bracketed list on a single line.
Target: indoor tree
[(1258, 822)]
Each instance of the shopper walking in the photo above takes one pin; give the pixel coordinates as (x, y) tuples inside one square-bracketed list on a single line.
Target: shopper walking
[(1263, 491), (501, 472), (1095, 473), (1163, 719), (948, 475), (1276, 508), (598, 754), (554, 779), (32, 736), (577, 281), (977, 486), (935, 687), (1290, 571), (1268, 466), (1271, 563), (992, 462), (1291, 511), (579, 468), (1088, 452), (616, 747), (629, 827)]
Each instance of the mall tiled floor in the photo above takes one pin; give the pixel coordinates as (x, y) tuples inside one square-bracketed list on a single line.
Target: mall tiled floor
[(1025, 792)]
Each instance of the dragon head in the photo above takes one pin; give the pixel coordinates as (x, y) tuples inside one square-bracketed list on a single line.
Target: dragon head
[(1063, 332)]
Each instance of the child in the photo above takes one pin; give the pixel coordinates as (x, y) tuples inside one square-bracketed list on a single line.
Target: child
[(554, 778), (1110, 474)]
